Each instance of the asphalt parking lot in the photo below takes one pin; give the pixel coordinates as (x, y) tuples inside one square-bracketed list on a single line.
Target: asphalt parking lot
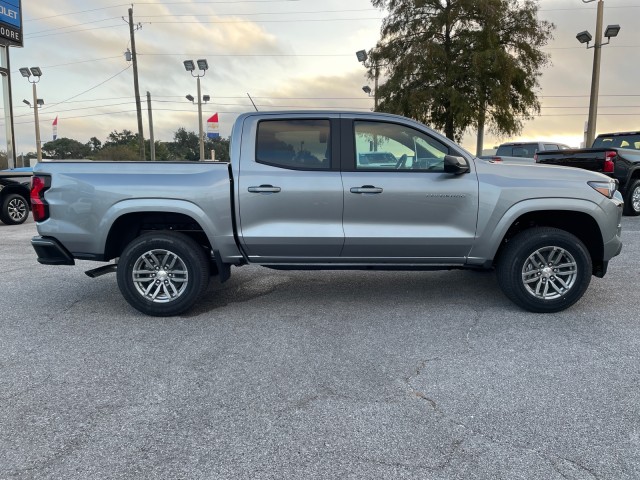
[(329, 375)]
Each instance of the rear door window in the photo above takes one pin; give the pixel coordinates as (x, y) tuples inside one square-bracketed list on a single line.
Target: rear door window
[(294, 144)]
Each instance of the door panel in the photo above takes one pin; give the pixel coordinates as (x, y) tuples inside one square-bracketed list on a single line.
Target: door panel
[(419, 214), (290, 195)]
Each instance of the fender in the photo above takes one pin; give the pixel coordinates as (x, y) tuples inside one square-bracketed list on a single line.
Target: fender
[(488, 242), (142, 205)]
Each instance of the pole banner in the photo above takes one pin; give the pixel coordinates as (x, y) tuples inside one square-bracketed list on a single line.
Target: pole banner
[(213, 127)]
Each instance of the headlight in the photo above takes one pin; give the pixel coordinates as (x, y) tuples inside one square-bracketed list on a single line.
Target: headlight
[(606, 188)]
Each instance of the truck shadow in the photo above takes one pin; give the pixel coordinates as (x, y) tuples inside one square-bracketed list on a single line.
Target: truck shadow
[(354, 287)]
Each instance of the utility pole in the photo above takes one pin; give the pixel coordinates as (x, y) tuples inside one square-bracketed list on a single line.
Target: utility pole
[(134, 59), (152, 144), (375, 86), (595, 77), (5, 69), (37, 119), (200, 123)]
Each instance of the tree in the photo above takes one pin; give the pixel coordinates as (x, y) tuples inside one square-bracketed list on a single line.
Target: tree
[(94, 144), (117, 152), (65, 148), (126, 137), (461, 63), (220, 146), (185, 145)]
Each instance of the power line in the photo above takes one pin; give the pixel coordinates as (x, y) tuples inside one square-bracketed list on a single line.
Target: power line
[(79, 108), (78, 12), (239, 14), (75, 13), (276, 98), (72, 31), (297, 20), (92, 88), (76, 63), (264, 13), (73, 26), (246, 55)]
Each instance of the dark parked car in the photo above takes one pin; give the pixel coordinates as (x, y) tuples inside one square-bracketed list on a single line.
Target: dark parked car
[(14, 195)]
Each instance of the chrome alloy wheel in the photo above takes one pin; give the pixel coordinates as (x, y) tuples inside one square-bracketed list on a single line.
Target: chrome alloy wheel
[(17, 209), (635, 199), (160, 276), (549, 273)]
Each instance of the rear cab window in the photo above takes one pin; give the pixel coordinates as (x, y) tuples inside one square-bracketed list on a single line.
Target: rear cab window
[(631, 141), (524, 150)]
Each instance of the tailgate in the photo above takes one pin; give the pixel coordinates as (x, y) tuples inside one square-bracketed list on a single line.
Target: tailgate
[(586, 159)]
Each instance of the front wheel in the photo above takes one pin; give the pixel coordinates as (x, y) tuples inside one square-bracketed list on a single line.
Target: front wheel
[(163, 274), (632, 200), (15, 209), (544, 269)]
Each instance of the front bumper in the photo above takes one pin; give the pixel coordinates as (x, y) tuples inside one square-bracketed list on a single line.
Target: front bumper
[(51, 252)]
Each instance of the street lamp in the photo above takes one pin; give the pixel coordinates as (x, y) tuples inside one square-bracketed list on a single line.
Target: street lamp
[(36, 73), (585, 37), (190, 67), (362, 58)]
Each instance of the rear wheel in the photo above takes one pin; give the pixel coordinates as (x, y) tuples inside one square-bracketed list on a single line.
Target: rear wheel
[(544, 269), (15, 209), (632, 200), (163, 274)]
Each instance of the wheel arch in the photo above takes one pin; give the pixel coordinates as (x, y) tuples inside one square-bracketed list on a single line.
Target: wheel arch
[(128, 220), (580, 224), (634, 174), (577, 217), (131, 225), (17, 189)]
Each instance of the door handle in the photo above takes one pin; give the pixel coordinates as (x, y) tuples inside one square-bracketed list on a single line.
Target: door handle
[(264, 189), (366, 189)]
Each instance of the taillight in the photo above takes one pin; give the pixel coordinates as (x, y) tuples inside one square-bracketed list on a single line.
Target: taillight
[(39, 206), (496, 159), (608, 161)]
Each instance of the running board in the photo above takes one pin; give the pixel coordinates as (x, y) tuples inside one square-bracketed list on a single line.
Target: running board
[(97, 272)]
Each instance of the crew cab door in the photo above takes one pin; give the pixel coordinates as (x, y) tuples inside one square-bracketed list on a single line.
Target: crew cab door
[(290, 195), (400, 206)]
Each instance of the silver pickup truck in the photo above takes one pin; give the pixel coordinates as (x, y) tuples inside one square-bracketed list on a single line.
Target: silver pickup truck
[(328, 190)]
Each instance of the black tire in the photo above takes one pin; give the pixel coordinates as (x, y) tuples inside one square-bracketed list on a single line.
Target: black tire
[(556, 286), (632, 199), (175, 273), (15, 209)]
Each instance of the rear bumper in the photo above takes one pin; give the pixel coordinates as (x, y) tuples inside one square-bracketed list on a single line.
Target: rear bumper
[(51, 252)]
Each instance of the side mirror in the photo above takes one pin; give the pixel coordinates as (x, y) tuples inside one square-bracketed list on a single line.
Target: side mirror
[(455, 165)]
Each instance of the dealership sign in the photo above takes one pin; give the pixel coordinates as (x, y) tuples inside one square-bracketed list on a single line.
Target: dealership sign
[(11, 22)]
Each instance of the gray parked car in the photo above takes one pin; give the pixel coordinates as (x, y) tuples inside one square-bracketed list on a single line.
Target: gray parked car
[(523, 152), (328, 190)]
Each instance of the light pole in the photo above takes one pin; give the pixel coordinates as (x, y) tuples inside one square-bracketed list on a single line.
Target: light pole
[(585, 37), (203, 66), (36, 73), (362, 58)]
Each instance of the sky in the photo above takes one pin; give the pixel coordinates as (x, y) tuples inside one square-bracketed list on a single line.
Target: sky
[(287, 54)]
